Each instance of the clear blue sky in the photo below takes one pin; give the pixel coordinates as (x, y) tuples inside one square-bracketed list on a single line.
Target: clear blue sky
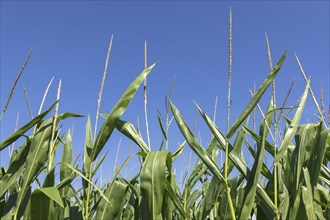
[(189, 38)]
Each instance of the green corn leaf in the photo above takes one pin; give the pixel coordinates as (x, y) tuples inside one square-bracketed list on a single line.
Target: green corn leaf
[(153, 178), (66, 115), (210, 198), (194, 145), (36, 159), (317, 157), (65, 182), (116, 196), (264, 200), (79, 201), (112, 187), (99, 163), (234, 151), (317, 196), (41, 203), (264, 171), (283, 194), (178, 151), (50, 174), (127, 129), (120, 107), (287, 159), (293, 126), (233, 155), (80, 174), (193, 198), (297, 210), (51, 192), (194, 177), (12, 138), (270, 148), (251, 186), (15, 168), (65, 172), (50, 178), (162, 127), (88, 147), (307, 195), (254, 101), (239, 164), (66, 157), (10, 205), (325, 171), (174, 198), (306, 139), (75, 213)]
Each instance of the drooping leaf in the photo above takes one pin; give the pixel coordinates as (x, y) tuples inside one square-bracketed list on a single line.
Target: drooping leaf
[(127, 129)]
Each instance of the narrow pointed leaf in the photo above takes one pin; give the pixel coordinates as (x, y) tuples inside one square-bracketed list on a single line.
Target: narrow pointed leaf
[(66, 157), (293, 126), (254, 101), (12, 138), (252, 182), (233, 156), (174, 198), (80, 174), (88, 147), (179, 150), (195, 146), (99, 163), (36, 159), (15, 168), (120, 107), (162, 127)]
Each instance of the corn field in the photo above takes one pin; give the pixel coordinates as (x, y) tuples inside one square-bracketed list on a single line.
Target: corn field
[(295, 185)]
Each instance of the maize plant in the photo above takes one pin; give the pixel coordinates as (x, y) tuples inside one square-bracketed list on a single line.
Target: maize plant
[(294, 186)]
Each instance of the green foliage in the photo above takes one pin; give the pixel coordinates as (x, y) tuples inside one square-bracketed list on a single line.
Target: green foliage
[(299, 176)]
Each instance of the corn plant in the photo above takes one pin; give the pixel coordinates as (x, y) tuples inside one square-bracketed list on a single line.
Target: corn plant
[(295, 186)]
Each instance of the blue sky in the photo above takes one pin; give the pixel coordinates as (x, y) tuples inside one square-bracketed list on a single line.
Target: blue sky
[(189, 38)]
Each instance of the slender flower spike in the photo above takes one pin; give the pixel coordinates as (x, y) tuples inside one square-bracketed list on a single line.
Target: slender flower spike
[(102, 85)]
